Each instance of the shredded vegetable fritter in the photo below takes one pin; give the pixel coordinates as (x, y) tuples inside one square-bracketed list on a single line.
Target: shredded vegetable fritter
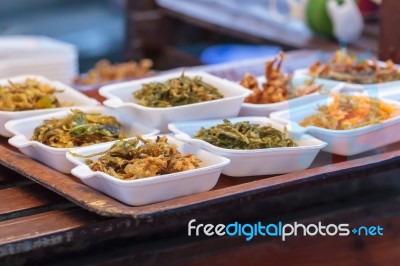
[(278, 86), (78, 129), (244, 136), (29, 95), (176, 92), (127, 160), (104, 71), (349, 68), (350, 112)]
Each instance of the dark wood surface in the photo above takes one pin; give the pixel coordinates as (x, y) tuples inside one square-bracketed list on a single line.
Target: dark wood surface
[(40, 226), (389, 41), (43, 227)]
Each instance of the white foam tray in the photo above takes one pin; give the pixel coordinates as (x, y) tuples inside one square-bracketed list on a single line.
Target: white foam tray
[(254, 162), (152, 189)]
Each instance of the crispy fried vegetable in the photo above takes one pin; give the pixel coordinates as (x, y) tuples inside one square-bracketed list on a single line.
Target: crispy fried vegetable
[(104, 71), (176, 92), (29, 95), (126, 160), (244, 136), (351, 111), (347, 67), (278, 86), (78, 129)]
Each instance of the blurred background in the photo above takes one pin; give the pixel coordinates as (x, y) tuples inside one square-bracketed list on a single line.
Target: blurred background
[(176, 32), (96, 27)]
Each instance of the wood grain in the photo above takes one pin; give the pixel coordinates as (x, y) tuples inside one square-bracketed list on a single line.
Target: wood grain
[(42, 224), (27, 197), (300, 250), (8, 178)]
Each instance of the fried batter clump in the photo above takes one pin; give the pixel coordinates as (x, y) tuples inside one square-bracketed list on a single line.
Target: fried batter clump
[(78, 129), (104, 71), (126, 160), (347, 67), (28, 95), (278, 86)]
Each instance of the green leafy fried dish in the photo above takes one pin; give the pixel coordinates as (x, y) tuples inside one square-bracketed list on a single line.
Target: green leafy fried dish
[(176, 92), (29, 95), (244, 136), (78, 129)]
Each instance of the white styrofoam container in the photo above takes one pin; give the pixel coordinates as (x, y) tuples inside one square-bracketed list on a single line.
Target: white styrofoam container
[(343, 142), (152, 189), (67, 96), (55, 157), (120, 95), (251, 109), (270, 161)]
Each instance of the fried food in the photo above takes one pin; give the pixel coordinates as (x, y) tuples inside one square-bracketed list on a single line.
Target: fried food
[(78, 129), (278, 86), (176, 92), (244, 136), (350, 112), (28, 95), (104, 71), (347, 67), (127, 160)]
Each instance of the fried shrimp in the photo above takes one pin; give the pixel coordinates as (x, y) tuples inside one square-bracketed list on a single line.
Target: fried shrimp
[(278, 86)]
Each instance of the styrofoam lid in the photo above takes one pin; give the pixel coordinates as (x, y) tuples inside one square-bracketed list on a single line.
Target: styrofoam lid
[(14, 45)]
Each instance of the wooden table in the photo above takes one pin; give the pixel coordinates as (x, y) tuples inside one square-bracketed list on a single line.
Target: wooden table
[(39, 226)]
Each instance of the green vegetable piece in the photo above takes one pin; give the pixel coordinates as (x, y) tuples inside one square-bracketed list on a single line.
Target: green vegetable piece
[(244, 136), (176, 92)]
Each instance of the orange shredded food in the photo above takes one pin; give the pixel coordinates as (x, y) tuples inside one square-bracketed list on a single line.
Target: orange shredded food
[(350, 112)]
